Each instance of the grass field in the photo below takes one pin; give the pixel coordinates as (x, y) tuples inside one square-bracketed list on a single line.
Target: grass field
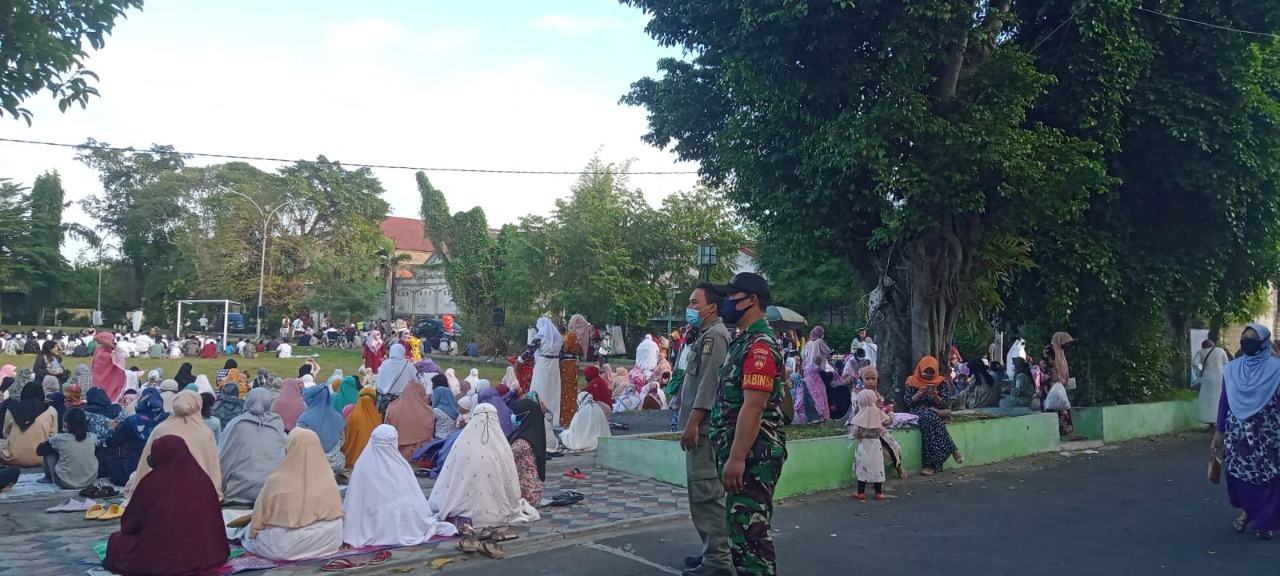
[(348, 361)]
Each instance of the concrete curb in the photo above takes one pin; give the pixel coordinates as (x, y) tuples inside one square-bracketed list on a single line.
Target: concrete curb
[(523, 544), (514, 547)]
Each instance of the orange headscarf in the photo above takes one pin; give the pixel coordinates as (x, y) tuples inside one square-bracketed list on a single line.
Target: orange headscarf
[(917, 380), (360, 424)]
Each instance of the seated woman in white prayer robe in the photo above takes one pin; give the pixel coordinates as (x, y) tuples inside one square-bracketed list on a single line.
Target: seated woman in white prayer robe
[(479, 478), (298, 515), (587, 426), (384, 504)]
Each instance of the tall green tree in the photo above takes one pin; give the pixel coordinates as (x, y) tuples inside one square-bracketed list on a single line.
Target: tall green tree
[(470, 258), (193, 232), (123, 213), (895, 135), (685, 220), (523, 284), (14, 230), (607, 254), (809, 282), (48, 233), (43, 45), (1189, 116), (596, 265)]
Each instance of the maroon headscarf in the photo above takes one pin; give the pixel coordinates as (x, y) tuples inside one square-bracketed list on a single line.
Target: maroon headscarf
[(173, 524)]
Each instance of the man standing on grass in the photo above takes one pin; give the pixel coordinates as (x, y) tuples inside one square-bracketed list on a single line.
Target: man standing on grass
[(707, 343), (746, 425)]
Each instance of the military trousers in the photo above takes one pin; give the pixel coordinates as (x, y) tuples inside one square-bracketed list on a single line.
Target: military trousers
[(749, 518)]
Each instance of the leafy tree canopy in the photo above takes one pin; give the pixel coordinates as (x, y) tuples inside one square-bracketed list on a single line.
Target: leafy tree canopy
[(43, 45), (607, 254), (195, 231), (893, 134)]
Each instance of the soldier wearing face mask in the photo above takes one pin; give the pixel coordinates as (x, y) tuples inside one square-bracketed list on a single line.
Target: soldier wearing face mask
[(747, 424)]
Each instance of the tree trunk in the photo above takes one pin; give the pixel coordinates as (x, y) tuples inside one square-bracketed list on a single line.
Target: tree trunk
[(1215, 328), (918, 312), (1180, 370)]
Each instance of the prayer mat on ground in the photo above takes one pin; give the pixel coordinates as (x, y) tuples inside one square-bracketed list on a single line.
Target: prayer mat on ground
[(100, 548), (241, 561), (248, 561), (27, 487)]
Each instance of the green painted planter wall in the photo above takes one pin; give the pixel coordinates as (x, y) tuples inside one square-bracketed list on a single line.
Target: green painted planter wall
[(827, 463), (1119, 423), (658, 459)]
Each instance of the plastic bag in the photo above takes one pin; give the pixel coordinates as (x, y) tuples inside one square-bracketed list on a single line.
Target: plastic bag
[(1057, 398)]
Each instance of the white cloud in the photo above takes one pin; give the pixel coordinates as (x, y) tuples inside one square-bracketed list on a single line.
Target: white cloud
[(364, 35), (255, 102), (575, 25), (442, 40)]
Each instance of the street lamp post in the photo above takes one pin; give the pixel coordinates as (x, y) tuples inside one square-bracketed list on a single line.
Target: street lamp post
[(262, 263), (671, 306), (97, 312), (96, 320), (707, 259)]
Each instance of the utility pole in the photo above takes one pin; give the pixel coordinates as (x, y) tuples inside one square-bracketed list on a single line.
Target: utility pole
[(671, 305), (262, 262)]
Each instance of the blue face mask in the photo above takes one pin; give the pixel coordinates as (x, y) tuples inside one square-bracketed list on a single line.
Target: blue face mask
[(693, 317), (514, 420)]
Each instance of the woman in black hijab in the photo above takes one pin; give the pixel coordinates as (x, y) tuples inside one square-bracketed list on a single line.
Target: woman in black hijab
[(531, 430), (184, 376), (28, 407)]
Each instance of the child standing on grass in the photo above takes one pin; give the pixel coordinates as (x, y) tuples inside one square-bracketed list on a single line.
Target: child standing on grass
[(867, 426)]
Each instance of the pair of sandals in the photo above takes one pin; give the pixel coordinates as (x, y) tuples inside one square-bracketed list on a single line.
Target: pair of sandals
[(486, 541), (566, 498), (98, 512), (99, 492), (340, 564), (73, 505), (1242, 523)]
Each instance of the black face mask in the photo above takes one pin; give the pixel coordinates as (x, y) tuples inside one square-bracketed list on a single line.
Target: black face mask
[(1250, 347), (729, 311)]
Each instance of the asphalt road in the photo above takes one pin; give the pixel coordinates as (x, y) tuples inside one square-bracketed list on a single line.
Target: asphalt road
[(1139, 508)]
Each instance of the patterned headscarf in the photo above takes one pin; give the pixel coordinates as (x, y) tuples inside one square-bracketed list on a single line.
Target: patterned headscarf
[(72, 394)]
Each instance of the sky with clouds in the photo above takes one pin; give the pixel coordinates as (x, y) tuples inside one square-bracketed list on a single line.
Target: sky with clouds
[(492, 84)]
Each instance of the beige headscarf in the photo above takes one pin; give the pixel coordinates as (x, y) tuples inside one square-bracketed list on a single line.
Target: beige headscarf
[(621, 383), (169, 391), (1060, 372), (301, 491), (578, 325), (187, 423), (868, 415)]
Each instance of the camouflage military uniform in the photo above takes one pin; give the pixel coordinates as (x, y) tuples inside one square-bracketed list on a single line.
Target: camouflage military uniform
[(753, 362)]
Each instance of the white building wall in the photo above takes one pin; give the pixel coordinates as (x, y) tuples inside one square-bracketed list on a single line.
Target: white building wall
[(424, 295), (745, 263)]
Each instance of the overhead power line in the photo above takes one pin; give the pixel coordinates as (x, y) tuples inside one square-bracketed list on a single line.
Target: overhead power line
[(352, 164), (1209, 24)]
